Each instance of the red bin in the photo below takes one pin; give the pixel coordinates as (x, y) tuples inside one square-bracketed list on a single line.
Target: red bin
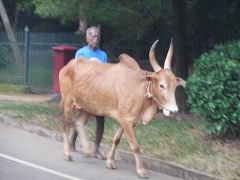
[(63, 54)]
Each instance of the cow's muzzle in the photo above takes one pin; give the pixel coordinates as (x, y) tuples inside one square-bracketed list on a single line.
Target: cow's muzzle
[(168, 112)]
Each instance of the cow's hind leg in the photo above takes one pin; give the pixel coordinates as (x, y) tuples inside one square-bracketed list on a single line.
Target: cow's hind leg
[(67, 149), (81, 128), (128, 130), (66, 127), (110, 163)]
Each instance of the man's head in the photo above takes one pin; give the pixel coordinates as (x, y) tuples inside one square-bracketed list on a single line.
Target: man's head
[(93, 37)]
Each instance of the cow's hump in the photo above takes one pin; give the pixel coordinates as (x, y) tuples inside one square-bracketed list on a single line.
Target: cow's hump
[(129, 62)]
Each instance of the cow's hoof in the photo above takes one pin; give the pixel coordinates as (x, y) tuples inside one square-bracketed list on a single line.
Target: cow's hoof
[(68, 158), (110, 164), (143, 174)]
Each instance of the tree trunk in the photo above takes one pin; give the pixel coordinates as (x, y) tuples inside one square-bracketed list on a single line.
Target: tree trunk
[(180, 53), (82, 25), (12, 38), (16, 13)]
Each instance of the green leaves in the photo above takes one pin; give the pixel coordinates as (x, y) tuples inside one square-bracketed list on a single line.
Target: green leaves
[(214, 89), (65, 11)]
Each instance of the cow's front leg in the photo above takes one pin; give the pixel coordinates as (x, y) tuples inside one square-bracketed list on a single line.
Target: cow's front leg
[(81, 128), (110, 163), (128, 130)]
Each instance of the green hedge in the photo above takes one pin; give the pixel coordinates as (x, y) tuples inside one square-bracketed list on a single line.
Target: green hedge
[(214, 89)]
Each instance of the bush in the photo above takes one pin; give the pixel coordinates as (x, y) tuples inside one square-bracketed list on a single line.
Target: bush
[(214, 89)]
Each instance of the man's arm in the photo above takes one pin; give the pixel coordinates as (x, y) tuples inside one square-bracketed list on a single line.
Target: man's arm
[(78, 54)]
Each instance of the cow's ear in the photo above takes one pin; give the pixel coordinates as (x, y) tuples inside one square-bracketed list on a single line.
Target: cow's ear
[(150, 77), (181, 82)]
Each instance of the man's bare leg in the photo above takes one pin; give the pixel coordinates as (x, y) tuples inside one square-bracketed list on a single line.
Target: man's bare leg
[(72, 140), (99, 134)]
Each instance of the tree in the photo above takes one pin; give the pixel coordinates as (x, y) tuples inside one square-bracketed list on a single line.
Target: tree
[(65, 11), (125, 21), (180, 53), (11, 37)]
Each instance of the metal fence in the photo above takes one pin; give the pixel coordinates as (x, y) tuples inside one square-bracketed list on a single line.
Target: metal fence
[(37, 55)]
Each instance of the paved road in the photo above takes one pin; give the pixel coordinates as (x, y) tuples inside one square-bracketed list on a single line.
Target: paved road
[(27, 156)]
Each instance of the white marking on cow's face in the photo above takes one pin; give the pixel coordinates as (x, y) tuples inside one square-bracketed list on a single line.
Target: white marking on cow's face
[(166, 112), (164, 91)]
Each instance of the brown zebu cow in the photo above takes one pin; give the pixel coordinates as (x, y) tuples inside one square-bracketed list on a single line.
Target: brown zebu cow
[(122, 91)]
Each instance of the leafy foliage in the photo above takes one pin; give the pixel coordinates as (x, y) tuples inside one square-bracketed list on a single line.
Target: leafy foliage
[(65, 11), (139, 22), (214, 89), (129, 18), (122, 21)]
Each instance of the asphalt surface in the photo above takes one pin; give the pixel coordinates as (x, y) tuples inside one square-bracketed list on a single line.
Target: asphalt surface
[(24, 155)]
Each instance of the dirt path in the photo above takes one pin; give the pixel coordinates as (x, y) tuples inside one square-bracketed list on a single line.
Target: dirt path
[(26, 97)]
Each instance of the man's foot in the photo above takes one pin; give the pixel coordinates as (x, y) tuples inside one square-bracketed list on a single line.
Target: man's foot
[(98, 155)]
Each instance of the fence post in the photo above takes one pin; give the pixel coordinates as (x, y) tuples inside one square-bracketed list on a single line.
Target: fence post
[(26, 54)]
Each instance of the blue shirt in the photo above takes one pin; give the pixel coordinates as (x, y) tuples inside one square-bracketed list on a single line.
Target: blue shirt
[(89, 53)]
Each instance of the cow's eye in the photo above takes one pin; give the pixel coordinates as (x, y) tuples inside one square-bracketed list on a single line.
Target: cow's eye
[(162, 86)]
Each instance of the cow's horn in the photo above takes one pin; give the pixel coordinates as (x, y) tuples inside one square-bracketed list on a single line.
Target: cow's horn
[(168, 60), (152, 58)]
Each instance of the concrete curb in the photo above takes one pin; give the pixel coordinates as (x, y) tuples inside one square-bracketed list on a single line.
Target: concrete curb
[(164, 167)]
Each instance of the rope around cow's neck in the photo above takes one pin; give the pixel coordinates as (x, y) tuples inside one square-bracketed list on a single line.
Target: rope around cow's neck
[(149, 93)]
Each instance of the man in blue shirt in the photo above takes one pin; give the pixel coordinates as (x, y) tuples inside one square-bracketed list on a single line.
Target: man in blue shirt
[(92, 51)]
